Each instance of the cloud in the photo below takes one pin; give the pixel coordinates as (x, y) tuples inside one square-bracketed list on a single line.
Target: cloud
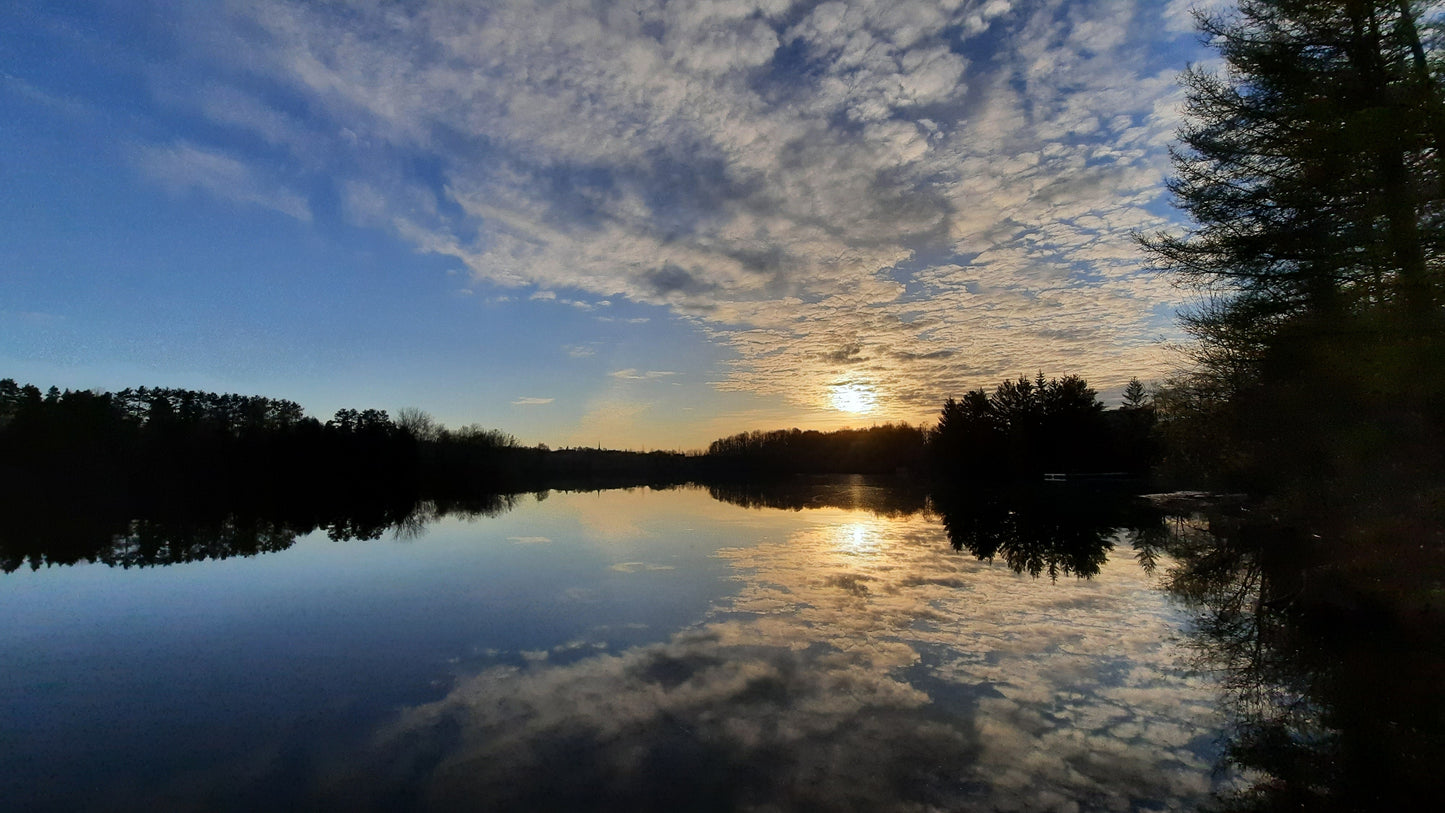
[(611, 414), (58, 102), (631, 374), (639, 567), (532, 401), (949, 188), (181, 166), (1179, 14)]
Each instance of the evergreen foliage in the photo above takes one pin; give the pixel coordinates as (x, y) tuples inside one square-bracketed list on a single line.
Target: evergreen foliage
[(1313, 169), (1029, 427)]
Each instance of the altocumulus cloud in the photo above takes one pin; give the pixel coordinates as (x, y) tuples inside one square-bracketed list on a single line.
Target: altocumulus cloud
[(945, 188)]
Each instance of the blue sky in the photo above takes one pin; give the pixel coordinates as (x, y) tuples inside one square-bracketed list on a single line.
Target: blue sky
[(639, 224)]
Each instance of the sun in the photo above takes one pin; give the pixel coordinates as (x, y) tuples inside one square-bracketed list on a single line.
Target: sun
[(858, 399)]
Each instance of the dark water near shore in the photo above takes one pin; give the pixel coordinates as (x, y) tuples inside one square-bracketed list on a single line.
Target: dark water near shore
[(843, 647)]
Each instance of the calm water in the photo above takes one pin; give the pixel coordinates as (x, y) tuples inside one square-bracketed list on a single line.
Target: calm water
[(625, 649)]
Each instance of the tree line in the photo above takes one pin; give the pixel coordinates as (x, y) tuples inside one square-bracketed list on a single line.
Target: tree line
[(1020, 431), (175, 531), (237, 447), (164, 443), (881, 449)]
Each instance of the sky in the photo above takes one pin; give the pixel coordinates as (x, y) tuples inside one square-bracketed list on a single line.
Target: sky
[(636, 224)]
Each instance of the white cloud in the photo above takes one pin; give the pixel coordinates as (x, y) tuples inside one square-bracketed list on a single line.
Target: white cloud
[(233, 107), (631, 374), (1179, 14), (182, 166), (532, 401), (792, 183)]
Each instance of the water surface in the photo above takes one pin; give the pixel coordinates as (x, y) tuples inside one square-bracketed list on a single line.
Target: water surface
[(623, 649)]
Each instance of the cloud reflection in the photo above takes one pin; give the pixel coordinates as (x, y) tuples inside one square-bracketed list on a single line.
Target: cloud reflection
[(838, 678)]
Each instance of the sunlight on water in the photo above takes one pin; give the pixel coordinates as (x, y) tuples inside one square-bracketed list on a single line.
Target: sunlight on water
[(860, 538)]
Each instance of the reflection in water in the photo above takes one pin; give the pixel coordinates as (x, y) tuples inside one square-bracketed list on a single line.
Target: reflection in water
[(862, 664), (1333, 696), (884, 497), (860, 661), (61, 534), (1052, 531), (857, 538)]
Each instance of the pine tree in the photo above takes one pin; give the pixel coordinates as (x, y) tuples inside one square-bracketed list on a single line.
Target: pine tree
[(1312, 169), (1135, 396)]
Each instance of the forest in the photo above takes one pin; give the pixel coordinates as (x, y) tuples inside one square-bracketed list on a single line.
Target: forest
[(208, 445), (1311, 170), (163, 443)]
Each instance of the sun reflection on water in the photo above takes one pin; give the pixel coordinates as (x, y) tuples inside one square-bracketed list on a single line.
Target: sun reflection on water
[(857, 537)]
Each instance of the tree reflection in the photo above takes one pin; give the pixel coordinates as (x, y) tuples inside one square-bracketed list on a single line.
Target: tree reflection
[(1332, 691), (1042, 532), (881, 496), (1057, 531), (61, 532)]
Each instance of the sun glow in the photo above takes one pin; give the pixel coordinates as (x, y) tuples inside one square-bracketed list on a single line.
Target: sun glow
[(858, 399)]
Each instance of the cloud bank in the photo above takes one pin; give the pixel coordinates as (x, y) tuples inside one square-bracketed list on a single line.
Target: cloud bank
[(918, 196)]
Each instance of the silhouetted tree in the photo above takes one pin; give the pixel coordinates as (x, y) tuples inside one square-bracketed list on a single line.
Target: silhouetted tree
[(969, 439), (881, 449), (1312, 169), (1133, 427), (1039, 532), (421, 425), (1135, 396), (1329, 675), (887, 498), (1027, 427), (146, 446)]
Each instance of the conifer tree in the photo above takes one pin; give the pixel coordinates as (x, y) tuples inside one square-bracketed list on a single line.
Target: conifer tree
[(1312, 169)]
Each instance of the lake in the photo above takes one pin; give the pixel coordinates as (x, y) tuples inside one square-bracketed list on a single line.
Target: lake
[(837, 646)]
